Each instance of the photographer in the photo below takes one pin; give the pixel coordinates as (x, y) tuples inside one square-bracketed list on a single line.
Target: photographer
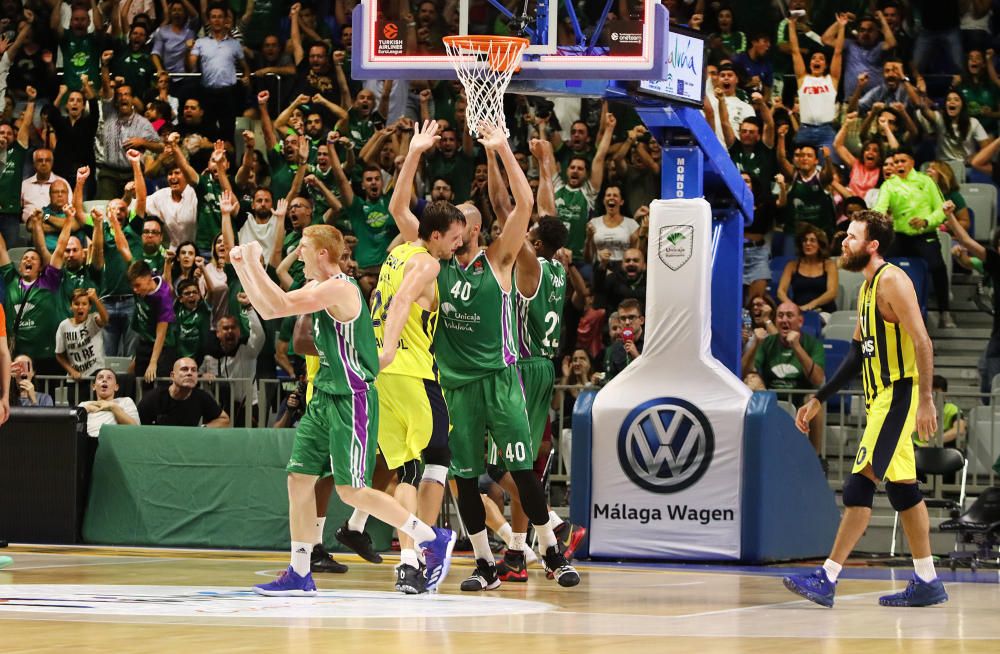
[(23, 371), (626, 350), (293, 408)]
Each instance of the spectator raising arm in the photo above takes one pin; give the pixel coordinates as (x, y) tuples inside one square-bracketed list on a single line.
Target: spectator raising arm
[(597, 167)]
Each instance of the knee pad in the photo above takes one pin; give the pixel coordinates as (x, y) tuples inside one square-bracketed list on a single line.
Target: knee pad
[(409, 473), (495, 472), (859, 491), (903, 496), (436, 473), (437, 456)]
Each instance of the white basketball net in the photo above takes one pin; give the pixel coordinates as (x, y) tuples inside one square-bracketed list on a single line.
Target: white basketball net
[(485, 69)]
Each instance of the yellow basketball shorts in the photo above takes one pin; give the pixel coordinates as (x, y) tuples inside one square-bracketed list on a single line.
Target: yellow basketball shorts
[(886, 443), (412, 415)]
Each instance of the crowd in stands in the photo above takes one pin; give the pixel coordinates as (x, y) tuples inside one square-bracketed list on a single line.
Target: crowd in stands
[(128, 179)]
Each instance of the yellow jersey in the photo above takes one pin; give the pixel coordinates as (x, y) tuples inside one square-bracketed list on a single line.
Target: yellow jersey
[(312, 367), (415, 353), (887, 347)]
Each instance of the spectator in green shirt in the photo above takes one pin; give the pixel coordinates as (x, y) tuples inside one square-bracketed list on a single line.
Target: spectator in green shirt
[(81, 50), (134, 63), (952, 422), (787, 360), (15, 151)]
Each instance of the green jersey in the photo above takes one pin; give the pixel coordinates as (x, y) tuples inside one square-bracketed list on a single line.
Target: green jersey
[(40, 307), (11, 178), (348, 358), (86, 276), (573, 206), (137, 68), (320, 205), (192, 325), (539, 318), (81, 56), (810, 203), (282, 173), (298, 269), (208, 191), (114, 277), (475, 335), (375, 229)]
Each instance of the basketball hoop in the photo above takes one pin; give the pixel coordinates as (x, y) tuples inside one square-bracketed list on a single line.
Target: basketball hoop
[(485, 65)]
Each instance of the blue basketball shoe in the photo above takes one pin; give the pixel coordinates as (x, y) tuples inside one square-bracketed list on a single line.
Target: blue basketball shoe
[(437, 556), (289, 584), (815, 587), (917, 593)]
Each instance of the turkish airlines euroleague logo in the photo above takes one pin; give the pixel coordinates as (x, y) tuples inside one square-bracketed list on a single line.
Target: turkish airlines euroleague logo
[(388, 40)]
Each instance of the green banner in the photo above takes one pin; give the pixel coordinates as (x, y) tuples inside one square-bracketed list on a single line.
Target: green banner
[(194, 487)]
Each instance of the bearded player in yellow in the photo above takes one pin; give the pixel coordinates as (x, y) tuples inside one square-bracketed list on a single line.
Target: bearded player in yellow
[(893, 353), (414, 420)]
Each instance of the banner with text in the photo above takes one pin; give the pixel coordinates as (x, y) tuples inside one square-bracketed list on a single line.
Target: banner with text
[(668, 431)]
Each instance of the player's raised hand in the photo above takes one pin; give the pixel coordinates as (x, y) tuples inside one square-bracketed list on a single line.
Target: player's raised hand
[(493, 138), (424, 137), (252, 251)]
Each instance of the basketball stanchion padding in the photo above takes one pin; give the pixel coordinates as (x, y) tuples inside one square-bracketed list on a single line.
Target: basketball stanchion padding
[(485, 65)]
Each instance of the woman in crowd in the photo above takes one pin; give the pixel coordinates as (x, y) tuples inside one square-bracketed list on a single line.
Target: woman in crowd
[(944, 176), (959, 135), (613, 231), (810, 280), (186, 264), (866, 170)]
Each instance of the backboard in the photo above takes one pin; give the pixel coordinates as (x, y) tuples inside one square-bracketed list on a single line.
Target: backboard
[(391, 43)]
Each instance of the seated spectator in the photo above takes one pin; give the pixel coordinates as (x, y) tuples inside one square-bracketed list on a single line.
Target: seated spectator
[(609, 235), (107, 409), (79, 342), (760, 313), (958, 136), (944, 177), (22, 369), (615, 282), (916, 206), (787, 360), (810, 280), (182, 404), (629, 347)]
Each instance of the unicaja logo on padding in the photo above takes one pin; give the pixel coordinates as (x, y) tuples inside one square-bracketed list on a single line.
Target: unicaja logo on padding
[(665, 445)]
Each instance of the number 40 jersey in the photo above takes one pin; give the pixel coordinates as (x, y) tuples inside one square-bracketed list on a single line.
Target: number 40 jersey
[(476, 330)]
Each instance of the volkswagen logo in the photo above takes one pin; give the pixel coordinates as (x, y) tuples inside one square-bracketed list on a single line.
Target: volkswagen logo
[(665, 445)]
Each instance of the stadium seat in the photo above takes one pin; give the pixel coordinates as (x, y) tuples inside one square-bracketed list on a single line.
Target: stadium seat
[(851, 283), (90, 205), (916, 270), (839, 332), (984, 440), (812, 324), (118, 365), (982, 202), (15, 255), (777, 267), (843, 317), (835, 350)]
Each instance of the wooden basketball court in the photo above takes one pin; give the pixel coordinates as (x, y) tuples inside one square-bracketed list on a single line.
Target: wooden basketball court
[(131, 600)]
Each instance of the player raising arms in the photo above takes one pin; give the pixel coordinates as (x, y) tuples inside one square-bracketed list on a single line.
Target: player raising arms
[(413, 415), (341, 422), (477, 351)]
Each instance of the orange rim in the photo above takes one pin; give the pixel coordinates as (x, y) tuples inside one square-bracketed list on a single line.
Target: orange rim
[(499, 58)]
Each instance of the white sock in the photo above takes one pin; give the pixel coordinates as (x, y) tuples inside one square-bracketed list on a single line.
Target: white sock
[(505, 533), (481, 546), (517, 542), (357, 521), (832, 569), (554, 520), (320, 525), (418, 530), (546, 538), (925, 568), (409, 557), (300, 557)]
